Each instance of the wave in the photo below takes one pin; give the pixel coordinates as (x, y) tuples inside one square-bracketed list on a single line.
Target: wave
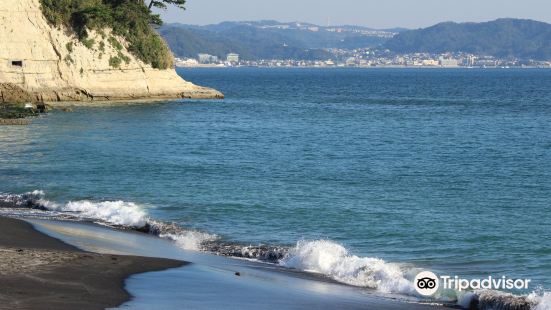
[(497, 300), (334, 260), (118, 214), (27, 200), (323, 257), (188, 239), (540, 299)]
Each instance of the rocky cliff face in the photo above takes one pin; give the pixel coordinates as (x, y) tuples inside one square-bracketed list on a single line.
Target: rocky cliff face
[(39, 62)]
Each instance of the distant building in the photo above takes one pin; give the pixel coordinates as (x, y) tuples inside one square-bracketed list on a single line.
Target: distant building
[(351, 61), (470, 61), (449, 62), (430, 62), (486, 63), (207, 58), (232, 57), (188, 62)]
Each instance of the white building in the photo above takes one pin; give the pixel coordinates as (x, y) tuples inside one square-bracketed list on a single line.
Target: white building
[(351, 61), (430, 63), (207, 58), (449, 62), (232, 57), (187, 62)]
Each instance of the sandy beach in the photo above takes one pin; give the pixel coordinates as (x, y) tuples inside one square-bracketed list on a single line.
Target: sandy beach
[(40, 272), (210, 281)]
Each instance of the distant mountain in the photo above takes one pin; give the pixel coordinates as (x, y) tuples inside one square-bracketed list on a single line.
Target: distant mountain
[(525, 39), (269, 39)]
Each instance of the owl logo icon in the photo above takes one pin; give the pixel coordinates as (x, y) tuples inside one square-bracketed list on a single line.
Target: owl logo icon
[(426, 283)]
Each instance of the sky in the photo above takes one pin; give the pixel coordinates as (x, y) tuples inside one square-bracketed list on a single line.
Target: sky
[(371, 13)]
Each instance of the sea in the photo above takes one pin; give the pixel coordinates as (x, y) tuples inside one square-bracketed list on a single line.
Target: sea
[(365, 176)]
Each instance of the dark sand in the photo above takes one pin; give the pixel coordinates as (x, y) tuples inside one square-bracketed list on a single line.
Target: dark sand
[(40, 272)]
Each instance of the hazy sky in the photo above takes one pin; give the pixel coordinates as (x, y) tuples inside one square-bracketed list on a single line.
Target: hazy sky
[(371, 13)]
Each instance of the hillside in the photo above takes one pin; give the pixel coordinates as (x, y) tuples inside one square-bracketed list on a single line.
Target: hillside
[(269, 39), (67, 51), (525, 39)]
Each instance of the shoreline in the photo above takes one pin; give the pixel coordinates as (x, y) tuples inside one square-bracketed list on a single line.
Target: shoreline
[(365, 68), (216, 282), (66, 106), (211, 281), (39, 271), (58, 105), (14, 121), (211, 270)]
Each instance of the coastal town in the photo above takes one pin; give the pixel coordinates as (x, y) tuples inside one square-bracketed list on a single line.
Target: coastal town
[(369, 58)]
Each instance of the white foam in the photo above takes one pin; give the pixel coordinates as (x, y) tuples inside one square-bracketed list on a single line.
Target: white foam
[(190, 240), (319, 256), (542, 300), (19, 199), (332, 259), (38, 193), (111, 212), (128, 214)]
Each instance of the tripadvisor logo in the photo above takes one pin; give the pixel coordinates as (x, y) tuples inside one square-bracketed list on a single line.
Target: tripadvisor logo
[(427, 283)]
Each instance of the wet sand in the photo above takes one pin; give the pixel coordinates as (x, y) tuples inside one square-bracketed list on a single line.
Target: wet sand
[(217, 282), (40, 272)]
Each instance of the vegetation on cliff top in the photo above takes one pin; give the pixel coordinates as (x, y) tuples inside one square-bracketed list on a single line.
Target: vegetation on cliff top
[(130, 19)]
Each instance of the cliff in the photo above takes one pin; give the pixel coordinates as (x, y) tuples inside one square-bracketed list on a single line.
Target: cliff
[(40, 62)]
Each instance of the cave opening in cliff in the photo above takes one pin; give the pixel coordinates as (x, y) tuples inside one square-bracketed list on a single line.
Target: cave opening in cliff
[(17, 63)]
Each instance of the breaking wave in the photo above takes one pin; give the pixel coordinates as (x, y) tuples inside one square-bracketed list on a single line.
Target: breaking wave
[(323, 257), (494, 300), (332, 259), (541, 300), (119, 214)]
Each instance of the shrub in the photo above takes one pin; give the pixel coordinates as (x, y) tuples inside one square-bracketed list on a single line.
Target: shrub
[(89, 43), (124, 57), (129, 19), (115, 62), (114, 43)]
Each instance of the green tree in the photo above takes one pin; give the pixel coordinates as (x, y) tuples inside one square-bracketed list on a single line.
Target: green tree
[(129, 19), (161, 4)]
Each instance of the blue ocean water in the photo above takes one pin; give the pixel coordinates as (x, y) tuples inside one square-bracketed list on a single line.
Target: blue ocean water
[(447, 170)]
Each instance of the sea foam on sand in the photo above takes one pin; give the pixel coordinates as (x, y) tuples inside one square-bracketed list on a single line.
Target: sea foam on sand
[(334, 260), (319, 256), (127, 214)]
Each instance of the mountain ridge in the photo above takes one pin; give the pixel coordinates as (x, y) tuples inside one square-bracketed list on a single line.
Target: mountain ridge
[(269, 39), (504, 37)]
